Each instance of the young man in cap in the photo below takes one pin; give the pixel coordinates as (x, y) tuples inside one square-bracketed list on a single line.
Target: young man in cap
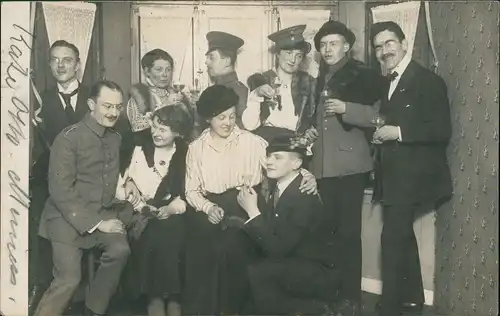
[(347, 91), (219, 162), (299, 272), (221, 59), (412, 173), (293, 104)]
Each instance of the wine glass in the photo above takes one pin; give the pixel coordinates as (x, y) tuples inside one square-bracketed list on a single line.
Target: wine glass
[(378, 121), (178, 86), (276, 84)]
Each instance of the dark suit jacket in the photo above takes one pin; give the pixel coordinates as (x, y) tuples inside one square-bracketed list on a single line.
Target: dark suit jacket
[(54, 121), (53, 115), (297, 228), (342, 147), (416, 170)]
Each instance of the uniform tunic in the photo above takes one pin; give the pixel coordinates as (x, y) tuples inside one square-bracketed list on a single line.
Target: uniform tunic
[(83, 174)]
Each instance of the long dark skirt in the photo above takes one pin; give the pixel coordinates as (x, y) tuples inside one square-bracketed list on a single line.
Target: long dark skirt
[(217, 258), (155, 267)]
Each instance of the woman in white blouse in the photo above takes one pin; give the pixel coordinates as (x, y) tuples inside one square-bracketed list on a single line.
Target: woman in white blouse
[(157, 175)]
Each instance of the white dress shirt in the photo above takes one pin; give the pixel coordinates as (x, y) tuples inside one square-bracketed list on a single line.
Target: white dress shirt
[(400, 69), (72, 87)]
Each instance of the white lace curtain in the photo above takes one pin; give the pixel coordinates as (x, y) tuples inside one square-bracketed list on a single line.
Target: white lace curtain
[(72, 22)]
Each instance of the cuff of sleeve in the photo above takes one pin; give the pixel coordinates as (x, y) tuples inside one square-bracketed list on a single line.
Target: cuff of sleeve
[(207, 206), (251, 218), (94, 228), (400, 139)]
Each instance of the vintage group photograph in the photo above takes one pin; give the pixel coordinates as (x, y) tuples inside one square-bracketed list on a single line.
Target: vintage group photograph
[(335, 158)]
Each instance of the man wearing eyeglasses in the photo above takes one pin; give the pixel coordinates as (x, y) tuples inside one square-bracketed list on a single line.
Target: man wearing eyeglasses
[(81, 211), (63, 104)]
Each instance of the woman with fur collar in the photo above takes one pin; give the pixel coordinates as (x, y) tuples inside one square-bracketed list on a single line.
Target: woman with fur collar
[(156, 174)]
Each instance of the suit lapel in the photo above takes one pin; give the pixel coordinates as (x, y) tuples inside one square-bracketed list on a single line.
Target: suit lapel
[(81, 103), (288, 195), (405, 83)]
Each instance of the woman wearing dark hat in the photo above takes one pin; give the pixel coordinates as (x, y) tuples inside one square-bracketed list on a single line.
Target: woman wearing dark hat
[(346, 92), (154, 268), (219, 162), (282, 100)]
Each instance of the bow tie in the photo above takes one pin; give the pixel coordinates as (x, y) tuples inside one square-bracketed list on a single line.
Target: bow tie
[(392, 76)]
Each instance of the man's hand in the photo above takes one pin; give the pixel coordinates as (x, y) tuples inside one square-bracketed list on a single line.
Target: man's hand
[(308, 184), (215, 214), (247, 199), (265, 91), (385, 133), (177, 206), (112, 226), (132, 193), (334, 106)]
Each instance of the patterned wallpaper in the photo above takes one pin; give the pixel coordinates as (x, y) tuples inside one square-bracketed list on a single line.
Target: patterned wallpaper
[(466, 38)]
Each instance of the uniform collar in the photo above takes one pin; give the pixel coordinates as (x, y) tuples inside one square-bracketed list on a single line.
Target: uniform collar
[(227, 78), (91, 122)]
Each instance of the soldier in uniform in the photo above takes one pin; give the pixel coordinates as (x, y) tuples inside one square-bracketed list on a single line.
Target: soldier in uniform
[(81, 212), (292, 89), (347, 92), (62, 105), (221, 58)]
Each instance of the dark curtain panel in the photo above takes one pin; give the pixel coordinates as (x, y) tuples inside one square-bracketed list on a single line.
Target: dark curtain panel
[(42, 76)]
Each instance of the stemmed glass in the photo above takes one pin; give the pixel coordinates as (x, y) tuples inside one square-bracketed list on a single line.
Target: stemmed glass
[(378, 121), (178, 86), (276, 84)]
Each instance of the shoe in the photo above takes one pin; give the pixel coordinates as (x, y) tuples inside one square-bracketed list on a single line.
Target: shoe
[(88, 312), (348, 308), (407, 307), (35, 296)]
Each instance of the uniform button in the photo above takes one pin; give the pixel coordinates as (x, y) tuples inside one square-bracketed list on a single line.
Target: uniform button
[(276, 215), (105, 175), (326, 128), (105, 166)]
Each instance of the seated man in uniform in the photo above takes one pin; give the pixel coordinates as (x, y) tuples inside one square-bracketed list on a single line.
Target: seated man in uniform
[(81, 211), (298, 274)]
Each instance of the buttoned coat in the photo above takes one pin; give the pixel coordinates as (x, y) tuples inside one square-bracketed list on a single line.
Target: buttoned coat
[(83, 174), (415, 170), (343, 147), (296, 228)]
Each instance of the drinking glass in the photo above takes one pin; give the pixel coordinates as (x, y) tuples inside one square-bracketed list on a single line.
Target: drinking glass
[(378, 121), (178, 86)]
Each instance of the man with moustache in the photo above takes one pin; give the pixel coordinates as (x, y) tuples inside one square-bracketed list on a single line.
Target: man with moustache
[(294, 105), (220, 61), (347, 91), (412, 173), (62, 105), (81, 212)]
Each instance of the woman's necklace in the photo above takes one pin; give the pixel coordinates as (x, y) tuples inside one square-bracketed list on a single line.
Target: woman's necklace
[(162, 163)]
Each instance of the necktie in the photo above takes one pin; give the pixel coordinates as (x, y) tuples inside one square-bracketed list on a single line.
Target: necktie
[(276, 196), (392, 76), (70, 112)]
